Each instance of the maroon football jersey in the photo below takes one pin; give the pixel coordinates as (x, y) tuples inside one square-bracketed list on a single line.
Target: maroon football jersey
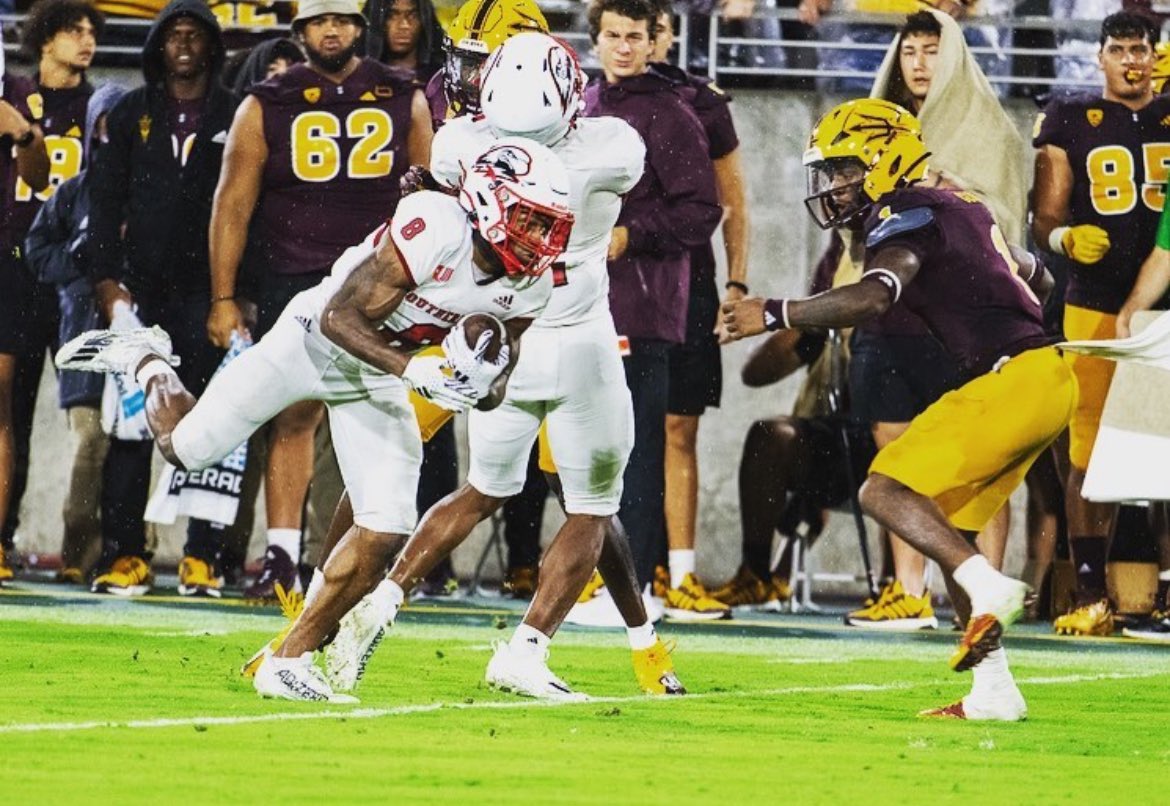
[(1120, 162), (63, 122), (335, 155), (967, 290)]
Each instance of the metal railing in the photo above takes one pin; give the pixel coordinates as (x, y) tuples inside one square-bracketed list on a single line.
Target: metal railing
[(567, 17)]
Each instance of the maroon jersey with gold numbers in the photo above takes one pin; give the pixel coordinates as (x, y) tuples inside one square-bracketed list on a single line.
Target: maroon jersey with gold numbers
[(967, 289), (1120, 162), (335, 155)]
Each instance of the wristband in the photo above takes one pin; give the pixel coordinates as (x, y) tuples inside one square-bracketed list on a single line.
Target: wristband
[(1056, 240), (736, 284), (776, 314)]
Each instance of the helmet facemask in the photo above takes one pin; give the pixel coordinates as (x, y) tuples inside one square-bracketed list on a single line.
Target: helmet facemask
[(461, 77), (836, 192), (535, 236)]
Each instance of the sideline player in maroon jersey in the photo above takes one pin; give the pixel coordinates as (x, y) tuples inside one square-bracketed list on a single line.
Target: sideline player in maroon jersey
[(312, 164), (941, 253), (1101, 169)]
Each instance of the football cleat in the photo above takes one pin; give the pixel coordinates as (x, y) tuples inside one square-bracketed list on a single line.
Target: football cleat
[(115, 350), (1003, 705), (196, 578), (1090, 619), (655, 670), (70, 576), (520, 582), (358, 636), (746, 590), (594, 587), (291, 605), (895, 610), (295, 679), (6, 572), (981, 637), (128, 576), (661, 583), (691, 602), (527, 674), (1154, 628), (278, 571)]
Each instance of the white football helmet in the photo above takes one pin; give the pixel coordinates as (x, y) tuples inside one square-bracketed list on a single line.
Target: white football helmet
[(517, 196), (532, 86)]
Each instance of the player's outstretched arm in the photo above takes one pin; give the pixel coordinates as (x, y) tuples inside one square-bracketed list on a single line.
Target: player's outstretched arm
[(369, 294), (1152, 283), (880, 286)]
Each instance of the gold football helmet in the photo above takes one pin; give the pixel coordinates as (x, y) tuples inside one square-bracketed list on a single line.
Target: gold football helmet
[(479, 27), (1161, 69), (858, 152)]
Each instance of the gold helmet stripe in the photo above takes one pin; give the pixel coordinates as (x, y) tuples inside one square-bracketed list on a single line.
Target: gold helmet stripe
[(480, 18)]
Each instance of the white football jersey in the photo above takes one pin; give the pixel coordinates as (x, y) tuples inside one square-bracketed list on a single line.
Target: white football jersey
[(605, 158), (432, 236)]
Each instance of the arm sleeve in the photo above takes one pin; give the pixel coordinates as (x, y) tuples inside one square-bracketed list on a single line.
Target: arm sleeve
[(676, 151), (109, 180)]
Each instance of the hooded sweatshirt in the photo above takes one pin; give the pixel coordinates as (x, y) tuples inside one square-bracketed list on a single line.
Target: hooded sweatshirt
[(970, 137), (255, 68), (158, 173)]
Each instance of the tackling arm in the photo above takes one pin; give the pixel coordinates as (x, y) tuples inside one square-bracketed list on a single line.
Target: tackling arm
[(235, 201), (886, 273)]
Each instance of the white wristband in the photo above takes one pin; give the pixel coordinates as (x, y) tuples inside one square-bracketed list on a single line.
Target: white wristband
[(784, 313), (152, 369), (1056, 240)]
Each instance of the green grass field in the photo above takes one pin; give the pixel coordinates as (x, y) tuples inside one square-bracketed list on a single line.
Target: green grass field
[(141, 702)]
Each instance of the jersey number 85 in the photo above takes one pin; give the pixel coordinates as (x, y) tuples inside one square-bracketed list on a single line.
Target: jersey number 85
[(317, 145)]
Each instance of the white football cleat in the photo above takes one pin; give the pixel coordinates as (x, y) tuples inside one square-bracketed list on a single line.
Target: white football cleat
[(295, 679), (358, 635), (115, 350), (527, 674), (601, 611)]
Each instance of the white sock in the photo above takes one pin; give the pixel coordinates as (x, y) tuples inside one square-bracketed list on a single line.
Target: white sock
[(992, 672), (287, 539), (1164, 574), (976, 576), (316, 583), (389, 597), (682, 562), (529, 640), (642, 637), (152, 369)]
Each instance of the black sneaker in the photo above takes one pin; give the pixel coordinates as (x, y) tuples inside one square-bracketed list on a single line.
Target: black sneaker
[(278, 567), (1154, 628)]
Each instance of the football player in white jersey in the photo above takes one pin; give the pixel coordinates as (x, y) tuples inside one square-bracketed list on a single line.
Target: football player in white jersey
[(571, 376), (352, 342)]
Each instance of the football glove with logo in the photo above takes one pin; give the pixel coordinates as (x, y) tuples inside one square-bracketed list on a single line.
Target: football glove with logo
[(470, 364), (429, 376)]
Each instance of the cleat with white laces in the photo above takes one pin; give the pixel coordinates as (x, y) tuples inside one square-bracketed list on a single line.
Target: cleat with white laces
[(655, 670), (358, 636), (291, 605), (527, 674), (115, 350), (295, 679)]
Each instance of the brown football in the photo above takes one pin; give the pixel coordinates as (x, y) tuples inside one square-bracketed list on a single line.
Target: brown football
[(474, 324)]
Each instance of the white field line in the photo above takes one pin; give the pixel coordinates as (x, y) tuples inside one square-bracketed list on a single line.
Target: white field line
[(406, 710)]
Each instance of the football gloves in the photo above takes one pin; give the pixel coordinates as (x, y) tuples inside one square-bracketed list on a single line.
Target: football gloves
[(470, 364), (429, 376), (1084, 243)]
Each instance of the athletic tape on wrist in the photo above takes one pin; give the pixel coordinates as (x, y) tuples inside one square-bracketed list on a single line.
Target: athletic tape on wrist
[(152, 369), (1056, 240)]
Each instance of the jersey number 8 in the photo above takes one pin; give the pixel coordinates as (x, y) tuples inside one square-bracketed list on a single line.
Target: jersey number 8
[(1112, 185), (317, 152)]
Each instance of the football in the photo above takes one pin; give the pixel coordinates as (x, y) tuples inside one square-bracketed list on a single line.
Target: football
[(476, 323)]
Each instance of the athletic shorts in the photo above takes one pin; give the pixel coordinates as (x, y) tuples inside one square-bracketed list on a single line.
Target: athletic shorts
[(696, 366), (572, 378), (892, 379), (824, 481), (375, 433), (971, 449), (29, 312), (1093, 378)]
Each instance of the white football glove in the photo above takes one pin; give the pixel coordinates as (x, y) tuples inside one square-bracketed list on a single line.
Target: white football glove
[(469, 363), (424, 374)]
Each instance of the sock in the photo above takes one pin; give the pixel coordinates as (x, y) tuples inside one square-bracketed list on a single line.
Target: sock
[(1089, 556), (287, 539), (682, 562), (152, 369), (316, 583), (642, 637), (992, 672), (388, 598), (1163, 600), (976, 576), (529, 640)]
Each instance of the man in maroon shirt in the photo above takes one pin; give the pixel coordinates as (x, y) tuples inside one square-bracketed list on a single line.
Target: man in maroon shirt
[(673, 209), (940, 253), (312, 164)]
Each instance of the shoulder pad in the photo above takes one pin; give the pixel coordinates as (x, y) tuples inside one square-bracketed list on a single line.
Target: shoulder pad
[(903, 221)]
